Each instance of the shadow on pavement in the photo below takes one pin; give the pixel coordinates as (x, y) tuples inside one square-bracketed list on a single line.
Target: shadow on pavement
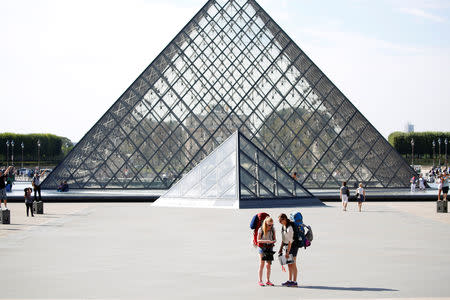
[(355, 289)]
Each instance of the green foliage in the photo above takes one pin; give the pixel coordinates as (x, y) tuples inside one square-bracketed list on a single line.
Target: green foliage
[(423, 141), (51, 148)]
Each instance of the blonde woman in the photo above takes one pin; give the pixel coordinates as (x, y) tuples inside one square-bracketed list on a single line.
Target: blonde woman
[(360, 195), (266, 241)]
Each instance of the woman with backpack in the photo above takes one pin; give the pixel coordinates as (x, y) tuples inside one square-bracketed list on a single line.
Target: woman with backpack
[(290, 244), (266, 240), (344, 194)]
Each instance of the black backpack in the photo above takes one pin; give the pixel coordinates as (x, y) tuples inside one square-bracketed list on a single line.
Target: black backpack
[(299, 236)]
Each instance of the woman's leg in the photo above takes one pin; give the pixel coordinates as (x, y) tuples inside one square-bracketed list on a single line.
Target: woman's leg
[(269, 266), (439, 195), (290, 272), (294, 270), (261, 267), (27, 207), (359, 205)]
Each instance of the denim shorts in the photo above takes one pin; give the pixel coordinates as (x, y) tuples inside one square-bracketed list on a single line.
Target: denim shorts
[(294, 250), (3, 194)]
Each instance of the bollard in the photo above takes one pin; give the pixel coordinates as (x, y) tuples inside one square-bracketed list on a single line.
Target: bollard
[(442, 206), (38, 207), (5, 216)]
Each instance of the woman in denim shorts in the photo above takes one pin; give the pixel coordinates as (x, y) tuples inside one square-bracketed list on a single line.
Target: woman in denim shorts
[(290, 245), (266, 241)]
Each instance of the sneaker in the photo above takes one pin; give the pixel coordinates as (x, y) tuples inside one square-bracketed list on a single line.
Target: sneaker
[(269, 283), (293, 284), (261, 283), (286, 283)]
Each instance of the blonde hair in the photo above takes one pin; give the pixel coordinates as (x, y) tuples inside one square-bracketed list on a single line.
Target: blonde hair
[(360, 185), (264, 225)]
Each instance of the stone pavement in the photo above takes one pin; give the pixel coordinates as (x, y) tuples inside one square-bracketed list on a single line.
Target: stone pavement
[(135, 251)]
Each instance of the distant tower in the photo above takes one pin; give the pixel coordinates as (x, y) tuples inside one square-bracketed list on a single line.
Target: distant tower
[(409, 127)]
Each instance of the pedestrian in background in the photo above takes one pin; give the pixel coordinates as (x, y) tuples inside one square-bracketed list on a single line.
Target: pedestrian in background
[(445, 185), (344, 194), (3, 187), (413, 184), (28, 201), (360, 195), (36, 182), (439, 182), (421, 183)]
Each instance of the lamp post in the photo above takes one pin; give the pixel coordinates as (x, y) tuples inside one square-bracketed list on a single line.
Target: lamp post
[(23, 146), (446, 162), (39, 152), (434, 145), (412, 153), (12, 153), (7, 153), (439, 142)]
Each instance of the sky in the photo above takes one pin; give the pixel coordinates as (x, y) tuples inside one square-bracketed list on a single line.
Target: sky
[(63, 63)]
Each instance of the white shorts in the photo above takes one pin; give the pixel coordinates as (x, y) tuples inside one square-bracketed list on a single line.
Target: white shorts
[(344, 198)]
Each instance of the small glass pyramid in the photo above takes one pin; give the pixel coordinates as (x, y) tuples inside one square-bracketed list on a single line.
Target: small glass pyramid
[(237, 174)]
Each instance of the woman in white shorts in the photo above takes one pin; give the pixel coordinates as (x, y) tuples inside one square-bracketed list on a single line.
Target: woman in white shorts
[(344, 193)]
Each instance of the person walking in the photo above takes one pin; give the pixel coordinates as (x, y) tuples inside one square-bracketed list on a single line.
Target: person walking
[(344, 194), (28, 201), (36, 182), (439, 183), (421, 183), (413, 184), (445, 185), (291, 245), (10, 178), (360, 195), (266, 240), (3, 187)]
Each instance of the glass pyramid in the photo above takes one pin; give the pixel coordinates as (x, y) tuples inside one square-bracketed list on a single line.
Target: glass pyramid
[(236, 175), (231, 67)]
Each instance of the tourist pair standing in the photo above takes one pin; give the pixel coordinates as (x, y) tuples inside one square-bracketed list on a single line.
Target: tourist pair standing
[(266, 240), (344, 194)]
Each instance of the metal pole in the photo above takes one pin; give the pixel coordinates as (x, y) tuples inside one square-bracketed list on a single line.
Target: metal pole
[(412, 153), (439, 142), (446, 162), (434, 144), (12, 153), (39, 157), (22, 152), (7, 153)]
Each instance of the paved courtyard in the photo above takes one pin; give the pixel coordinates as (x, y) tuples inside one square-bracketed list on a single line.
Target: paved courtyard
[(135, 251)]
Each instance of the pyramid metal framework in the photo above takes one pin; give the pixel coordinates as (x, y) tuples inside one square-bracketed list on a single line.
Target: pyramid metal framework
[(231, 67), (237, 175)]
